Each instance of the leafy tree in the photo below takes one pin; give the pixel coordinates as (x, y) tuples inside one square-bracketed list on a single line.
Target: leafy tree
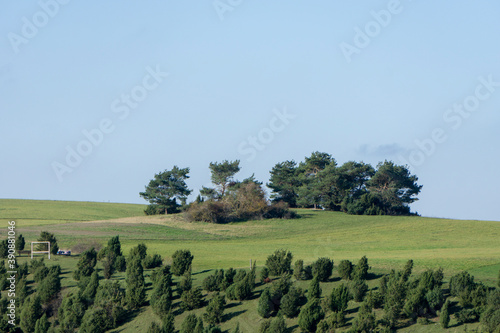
[(284, 183), (444, 316), (314, 289), (358, 289), (339, 299), (152, 261), (345, 269), (20, 243), (86, 264), (394, 293), (322, 268), (166, 187), (30, 313), (135, 293), (361, 269), (310, 315), (264, 307), (181, 261), (215, 309), (279, 262), (46, 236), (222, 175), (331, 322), (395, 186)]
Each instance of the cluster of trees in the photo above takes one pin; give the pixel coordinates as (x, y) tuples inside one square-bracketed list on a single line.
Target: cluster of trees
[(354, 187), (228, 200), (98, 304), (318, 182), (20, 243)]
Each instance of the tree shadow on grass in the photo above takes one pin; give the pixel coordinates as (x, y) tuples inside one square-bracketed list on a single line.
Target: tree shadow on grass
[(373, 276), (291, 328), (353, 310), (229, 316), (131, 315), (204, 271), (232, 305)]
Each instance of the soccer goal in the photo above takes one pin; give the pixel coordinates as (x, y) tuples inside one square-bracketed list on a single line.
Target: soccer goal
[(48, 250)]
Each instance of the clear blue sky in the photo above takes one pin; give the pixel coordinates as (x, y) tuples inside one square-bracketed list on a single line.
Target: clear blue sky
[(410, 81)]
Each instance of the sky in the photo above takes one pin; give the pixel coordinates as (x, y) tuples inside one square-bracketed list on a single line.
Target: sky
[(97, 97)]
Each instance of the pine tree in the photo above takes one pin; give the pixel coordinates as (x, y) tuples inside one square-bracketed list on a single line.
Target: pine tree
[(189, 323), (215, 309), (91, 288), (361, 269), (314, 289), (310, 315), (199, 326), (31, 312), (168, 323), (264, 308), (20, 243), (135, 293), (278, 325), (42, 325), (444, 316)]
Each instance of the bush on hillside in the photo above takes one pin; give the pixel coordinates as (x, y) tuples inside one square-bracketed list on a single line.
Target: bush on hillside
[(279, 262), (322, 268)]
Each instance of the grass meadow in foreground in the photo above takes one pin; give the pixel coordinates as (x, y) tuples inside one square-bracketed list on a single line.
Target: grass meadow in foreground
[(387, 241)]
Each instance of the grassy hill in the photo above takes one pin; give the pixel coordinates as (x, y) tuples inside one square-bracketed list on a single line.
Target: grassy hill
[(388, 242)]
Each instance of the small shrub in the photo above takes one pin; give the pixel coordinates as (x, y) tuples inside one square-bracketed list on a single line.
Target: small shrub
[(215, 309), (338, 299), (361, 269), (264, 307), (152, 261), (264, 274), (181, 261), (192, 299), (444, 316), (358, 289), (467, 316), (345, 269), (322, 268), (279, 262)]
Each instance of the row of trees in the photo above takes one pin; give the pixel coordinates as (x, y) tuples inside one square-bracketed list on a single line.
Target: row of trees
[(354, 188), (99, 305)]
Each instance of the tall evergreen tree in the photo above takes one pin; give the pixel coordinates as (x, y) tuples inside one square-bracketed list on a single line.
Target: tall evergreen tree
[(30, 313), (264, 307), (284, 183), (135, 293), (20, 243)]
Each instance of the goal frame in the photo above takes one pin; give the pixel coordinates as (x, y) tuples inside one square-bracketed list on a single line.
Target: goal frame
[(45, 242)]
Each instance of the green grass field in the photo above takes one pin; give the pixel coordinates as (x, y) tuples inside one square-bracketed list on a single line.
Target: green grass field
[(388, 242)]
